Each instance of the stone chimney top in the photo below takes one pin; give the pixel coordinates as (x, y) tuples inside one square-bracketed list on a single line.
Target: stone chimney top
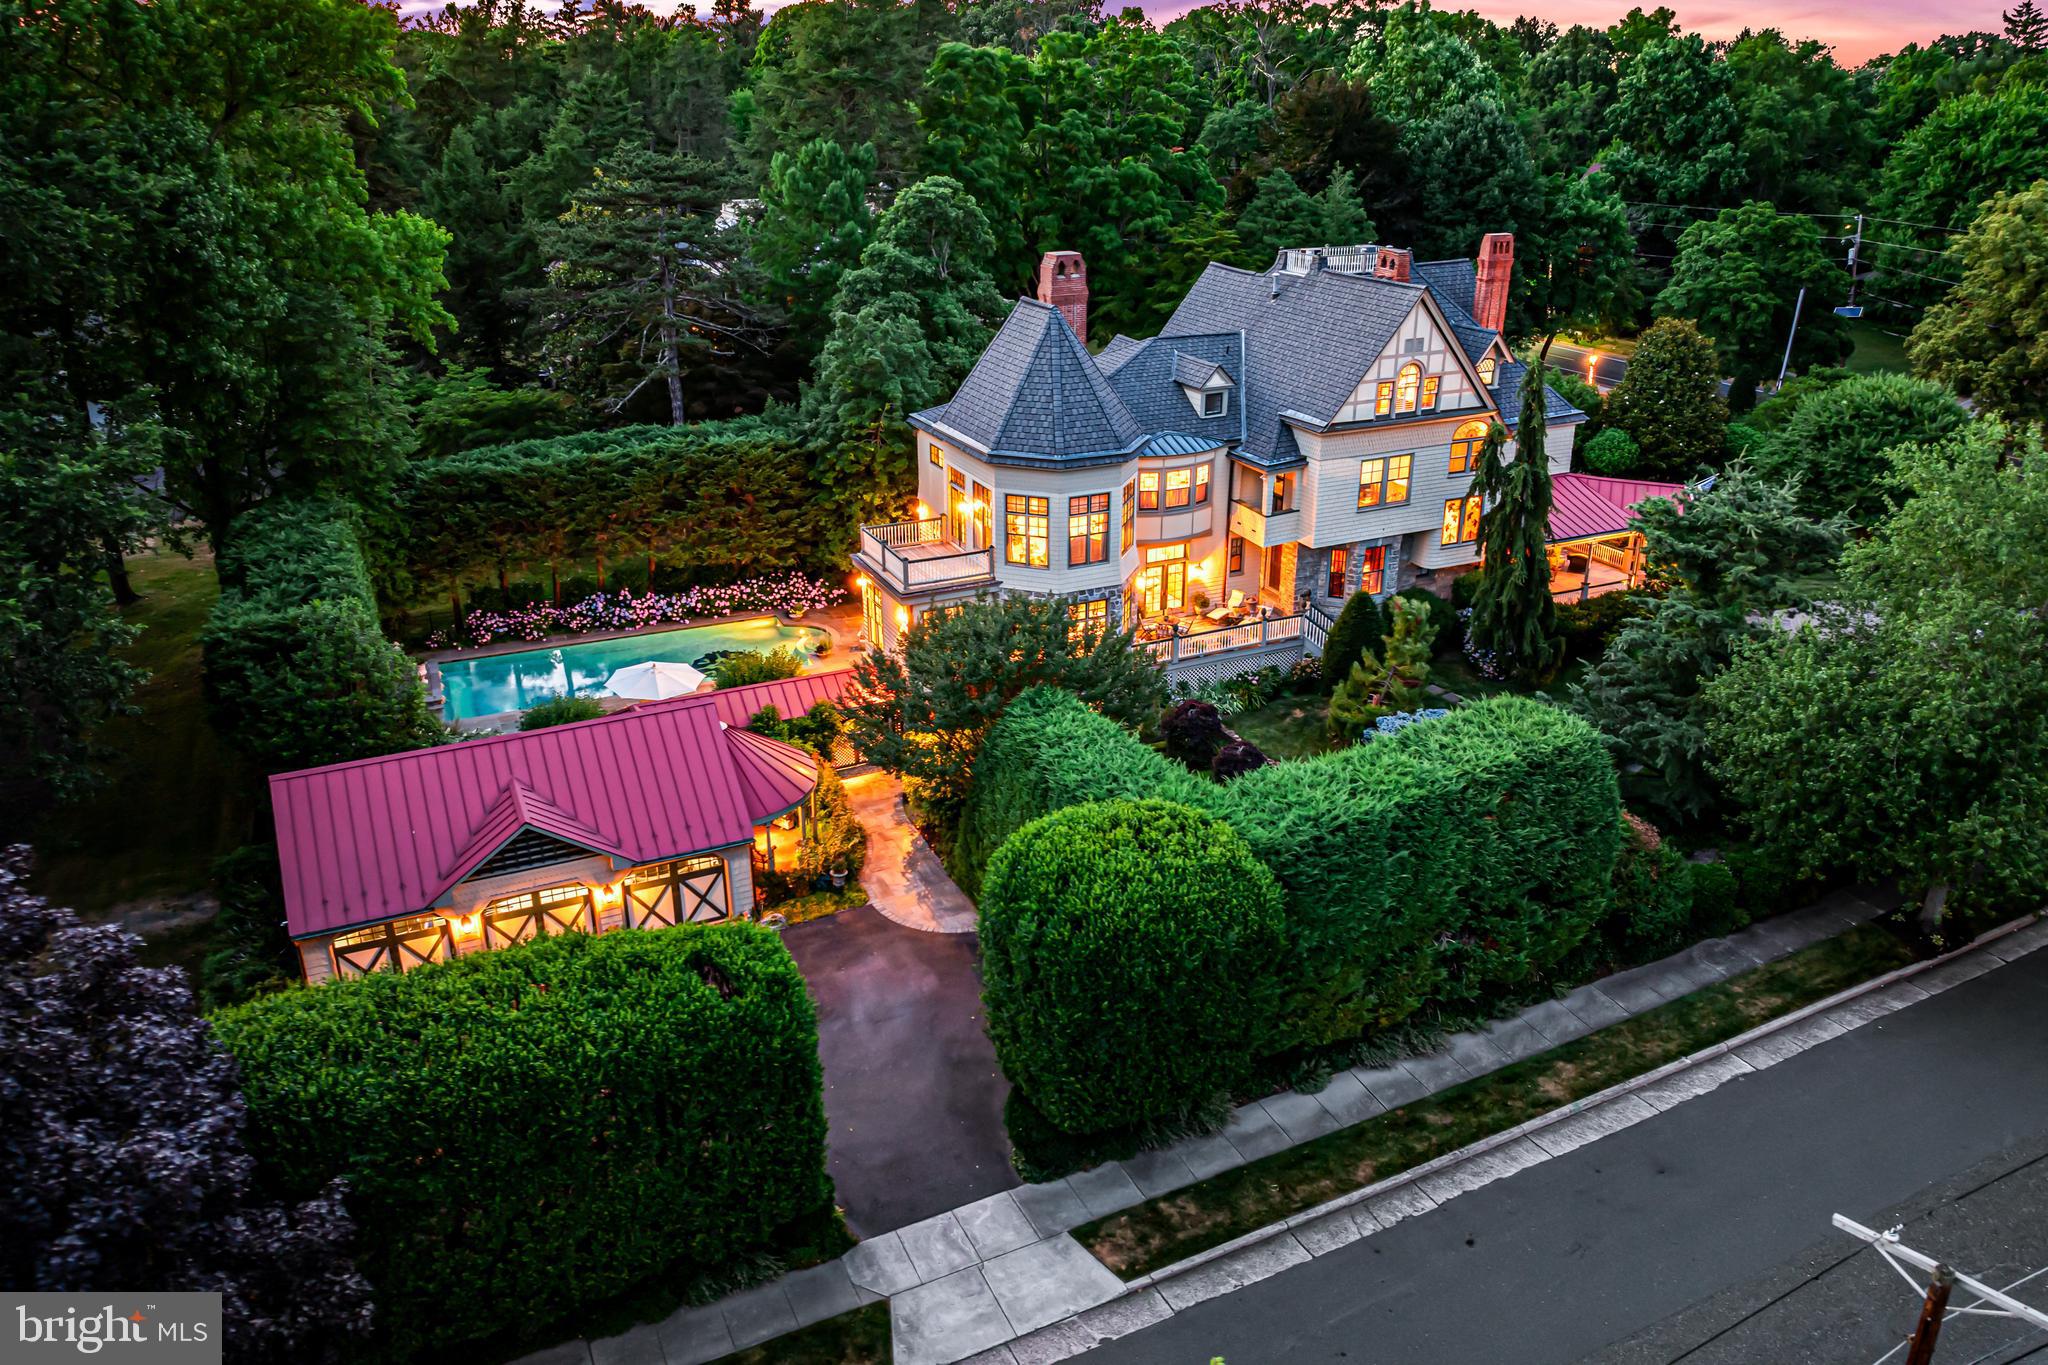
[(1495, 269), (1063, 283)]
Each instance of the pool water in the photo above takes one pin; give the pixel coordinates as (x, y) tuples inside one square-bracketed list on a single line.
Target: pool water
[(499, 683)]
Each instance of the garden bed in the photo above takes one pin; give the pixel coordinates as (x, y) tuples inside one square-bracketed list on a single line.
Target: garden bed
[(857, 1338), (1173, 1227)]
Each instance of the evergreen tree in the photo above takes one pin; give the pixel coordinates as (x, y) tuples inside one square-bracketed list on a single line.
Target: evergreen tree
[(1513, 614), (595, 116), (815, 222), (1279, 216), (2026, 27), (1669, 400), (1342, 211), (1495, 189), (1385, 681), (1730, 558), (641, 279), (1359, 628)]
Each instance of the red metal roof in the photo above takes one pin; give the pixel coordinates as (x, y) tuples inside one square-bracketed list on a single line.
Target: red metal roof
[(1589, 505), (381, 837), (791, 697)]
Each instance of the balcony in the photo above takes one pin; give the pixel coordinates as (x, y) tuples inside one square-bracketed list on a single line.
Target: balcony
[(916, 556), (1264, 528)]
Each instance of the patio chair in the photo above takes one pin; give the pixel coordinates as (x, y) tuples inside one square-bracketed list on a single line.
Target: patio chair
[(1232, 608)]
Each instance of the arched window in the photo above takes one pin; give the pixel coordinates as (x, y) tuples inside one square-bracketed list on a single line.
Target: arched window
[(1486, 370), (1406, 385), (1465, 443)]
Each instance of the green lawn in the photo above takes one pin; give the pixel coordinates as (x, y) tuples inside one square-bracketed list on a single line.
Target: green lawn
[(1878, 347), (1291, 727), (1454, 673), (1175, 1226), (175, 798)]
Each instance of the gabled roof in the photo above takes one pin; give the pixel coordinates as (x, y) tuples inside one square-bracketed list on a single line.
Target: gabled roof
[(1454, 282), (1036, 393), (1197, 371), (1507, 396), (1308, 339), (1120, 349), (790, 697), (1584, 505), (383, 837), (1146, 381)]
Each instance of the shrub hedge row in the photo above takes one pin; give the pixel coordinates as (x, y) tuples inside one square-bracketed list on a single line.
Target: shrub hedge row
[(1450, 862), (530, 1130), (298, 671), (1132, 951)]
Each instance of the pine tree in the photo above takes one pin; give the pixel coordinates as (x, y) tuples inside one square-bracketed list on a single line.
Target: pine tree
[(815, 222), (1342, 211), (640, 278), (1280, 215), (1359, 627), (1513, 614), (1386, 681), (2026, 28)]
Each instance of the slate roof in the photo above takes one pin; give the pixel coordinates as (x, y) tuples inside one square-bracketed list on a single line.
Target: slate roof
[(1194, 371), (1507, 396), (1120, 349), (1452, 284), (1307, 340), (1147, 382), (1036, 393), (383, 837)]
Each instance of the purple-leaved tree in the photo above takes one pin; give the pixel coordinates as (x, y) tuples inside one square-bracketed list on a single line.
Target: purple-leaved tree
[(122, 1160)]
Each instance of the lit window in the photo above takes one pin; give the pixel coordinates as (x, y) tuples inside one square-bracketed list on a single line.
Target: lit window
[(1201, 484), (1087, 621), (1383, 400), (1178, 482), (1384, 481), (1372, 565), (1406, 385), (938, 455), (1465, 444), (1237, 554), (1148, 492), (1130, 515), (1088, 529), (1340, 561), (1027, 530), (1461, 520), (1216, 403), (1486, 369), (1429, 387)]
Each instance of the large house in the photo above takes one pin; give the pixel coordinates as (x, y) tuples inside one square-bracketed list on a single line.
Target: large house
[(1291, 436)]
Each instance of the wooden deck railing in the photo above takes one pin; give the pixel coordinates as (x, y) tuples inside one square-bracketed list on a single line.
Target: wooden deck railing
[(1267, 630), (883, 545)]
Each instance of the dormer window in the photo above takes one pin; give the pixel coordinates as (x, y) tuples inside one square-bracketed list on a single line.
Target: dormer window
[(1215, 402), (1407, 387), (1486, 370)]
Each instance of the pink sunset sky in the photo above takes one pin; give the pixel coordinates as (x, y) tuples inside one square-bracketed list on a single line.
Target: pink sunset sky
[(1857, 32)]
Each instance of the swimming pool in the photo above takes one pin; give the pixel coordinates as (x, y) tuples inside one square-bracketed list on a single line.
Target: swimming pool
[(497, 683)]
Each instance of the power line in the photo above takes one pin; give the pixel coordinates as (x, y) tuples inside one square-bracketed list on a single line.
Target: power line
[(1902, 222), (1901, 246), (1896, 270)]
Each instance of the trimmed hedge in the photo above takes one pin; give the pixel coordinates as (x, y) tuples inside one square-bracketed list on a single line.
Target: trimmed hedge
[(1131, 953), (1449, 862), (530, 1130), (297, 669)]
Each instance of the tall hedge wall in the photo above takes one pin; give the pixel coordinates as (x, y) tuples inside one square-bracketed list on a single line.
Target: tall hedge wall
[(298, 671), (529, 1130), (1448, 862)]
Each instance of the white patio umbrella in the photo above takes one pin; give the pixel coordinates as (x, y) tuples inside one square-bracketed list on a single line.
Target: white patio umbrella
[(654, 681)]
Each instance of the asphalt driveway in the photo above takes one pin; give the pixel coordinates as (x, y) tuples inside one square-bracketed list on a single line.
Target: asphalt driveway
[(912, 1089)]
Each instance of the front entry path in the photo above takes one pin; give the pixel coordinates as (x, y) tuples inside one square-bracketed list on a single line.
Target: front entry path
[(903, 877), (912, 1090)]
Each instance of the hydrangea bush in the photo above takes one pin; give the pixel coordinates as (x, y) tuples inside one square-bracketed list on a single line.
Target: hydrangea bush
[(788, 593)]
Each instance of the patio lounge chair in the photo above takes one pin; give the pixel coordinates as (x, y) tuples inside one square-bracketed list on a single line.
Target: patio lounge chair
[(1231, 609)]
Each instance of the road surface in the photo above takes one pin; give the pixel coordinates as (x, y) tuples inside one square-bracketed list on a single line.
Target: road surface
[(1569, 1257)]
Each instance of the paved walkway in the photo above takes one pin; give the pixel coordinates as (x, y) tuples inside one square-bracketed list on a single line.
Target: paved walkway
[(912, 1089), (1001, 1281), (903, 877)]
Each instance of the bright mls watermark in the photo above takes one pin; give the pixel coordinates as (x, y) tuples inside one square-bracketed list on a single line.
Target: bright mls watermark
[(172, 1329)]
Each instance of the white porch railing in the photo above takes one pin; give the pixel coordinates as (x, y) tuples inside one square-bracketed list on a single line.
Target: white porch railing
[(1268, 630), (935, 562)]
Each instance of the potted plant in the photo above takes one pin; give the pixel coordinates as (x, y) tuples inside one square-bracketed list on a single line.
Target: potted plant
[(838, 876)]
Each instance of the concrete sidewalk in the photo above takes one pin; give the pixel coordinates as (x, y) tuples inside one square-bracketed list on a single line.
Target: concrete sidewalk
[(1003, 1268)]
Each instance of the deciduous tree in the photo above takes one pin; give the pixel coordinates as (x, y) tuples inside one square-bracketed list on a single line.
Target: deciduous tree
[(1988, 340), (1837, 445)]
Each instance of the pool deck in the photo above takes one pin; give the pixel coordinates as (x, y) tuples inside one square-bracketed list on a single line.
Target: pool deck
[(841, 622)]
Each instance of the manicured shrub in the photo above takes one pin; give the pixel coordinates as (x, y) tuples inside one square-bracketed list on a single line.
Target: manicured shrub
[(1586, 627), (1838, 442), (1613, 452), (1715, 910), (1360, 626), (1050, 750), (534, 1129), (1130, 956), (745, 666), (1237, 758), (560, 711), (297, 670), (1464, 588), (1652, 896), (1193, 731), (1443, 617)]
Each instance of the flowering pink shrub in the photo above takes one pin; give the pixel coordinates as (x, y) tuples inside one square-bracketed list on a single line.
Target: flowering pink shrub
[(785, 593)]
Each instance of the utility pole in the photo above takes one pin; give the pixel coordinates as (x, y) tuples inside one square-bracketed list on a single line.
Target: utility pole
[(1852, 309), (1932, 1311), (1786, 363)]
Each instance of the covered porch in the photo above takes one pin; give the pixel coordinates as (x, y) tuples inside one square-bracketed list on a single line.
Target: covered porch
[(1580, 569), (1593, 547)]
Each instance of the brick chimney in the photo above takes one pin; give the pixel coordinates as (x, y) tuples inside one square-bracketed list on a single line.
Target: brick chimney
[(1392, 263), (1063, 283), (1496, 268)]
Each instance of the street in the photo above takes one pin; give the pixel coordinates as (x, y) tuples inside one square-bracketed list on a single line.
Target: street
[(1571, 1256)]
